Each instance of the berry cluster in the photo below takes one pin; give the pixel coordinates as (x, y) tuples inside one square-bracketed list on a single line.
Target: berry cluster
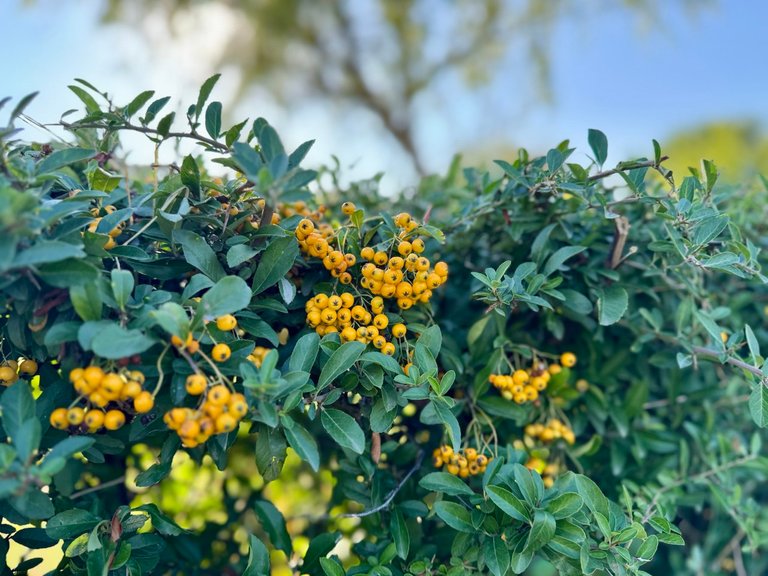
[(11, 369), (551, 431), (547, 471), (525, 385), (94, 224), (465, 463), (108, 396), (219, 411), (354, 322), (258, 354)]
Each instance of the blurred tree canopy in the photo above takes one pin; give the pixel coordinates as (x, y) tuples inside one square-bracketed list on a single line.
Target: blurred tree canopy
[(740, 147), (382, 55)]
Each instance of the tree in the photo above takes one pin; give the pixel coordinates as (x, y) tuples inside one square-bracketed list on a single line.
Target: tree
[(382, 56), (533, 372)]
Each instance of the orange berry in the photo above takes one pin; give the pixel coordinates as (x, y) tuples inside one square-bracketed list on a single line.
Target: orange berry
[(94, 419), (59, 419), (114, 420), (225, 423), (219, 395), (221, 352), (28, 367), (93, 375), (196, 384), (568, 359), (143, 403), (226, 323), (75, 416), (348, 208)]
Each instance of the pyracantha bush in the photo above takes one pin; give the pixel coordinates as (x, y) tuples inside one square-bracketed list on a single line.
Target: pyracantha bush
[(548, 367)]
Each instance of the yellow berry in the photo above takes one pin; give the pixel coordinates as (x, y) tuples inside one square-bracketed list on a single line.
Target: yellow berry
[(219, 395), (59, 419), (404, 248), (94, 419), (143, 403), (221, 352), (568, 359), (196, 384), (28, 367), (399, 330), (114, 420), (75, 416), (367, 253), (226, 323), (348, 208)]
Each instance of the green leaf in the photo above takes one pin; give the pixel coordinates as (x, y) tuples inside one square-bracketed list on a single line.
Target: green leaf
[(160, 522), (17, 406), (70, 523), (91, 106), (302, 442), (400, 535), (565, 505), (205, 92), (62, 158), (331, 567), (447, 417), (496, 555), (47, 251), (173, 319), (114, 342), (122, 286), (340, 361), (270, 452), (599, 144), (27, 438), (758, 404), (445, 483), (612, 304), (33, 504), (508, 503), (455, 515), (67, 448), (304, 353), (190, 174), (154, 109), (275, 262), (592, 495), (86, 300), (69, 272), (647, 549), (247, 159), (34, 538), (199, 254), (213, 120), (343, 429), (542, 530), (238, 254), (230, 294), (559, 257), (258, 558), (138, 103), (102, 180), (274, 524), (319, 547)]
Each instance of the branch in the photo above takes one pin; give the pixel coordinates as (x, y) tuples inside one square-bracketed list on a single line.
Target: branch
[(708, 352), (391, 496), (148, 131), (624, 166), (103, 486), (701, 476)]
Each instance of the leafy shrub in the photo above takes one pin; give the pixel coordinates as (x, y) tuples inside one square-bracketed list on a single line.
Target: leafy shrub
[(541, 369)]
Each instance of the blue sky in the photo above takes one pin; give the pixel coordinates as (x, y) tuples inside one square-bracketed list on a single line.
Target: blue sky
[(608, 72)]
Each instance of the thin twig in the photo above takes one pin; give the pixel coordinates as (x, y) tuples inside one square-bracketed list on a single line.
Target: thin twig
[(148, 131), (391, 496), (695, 478), (102, 486)]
